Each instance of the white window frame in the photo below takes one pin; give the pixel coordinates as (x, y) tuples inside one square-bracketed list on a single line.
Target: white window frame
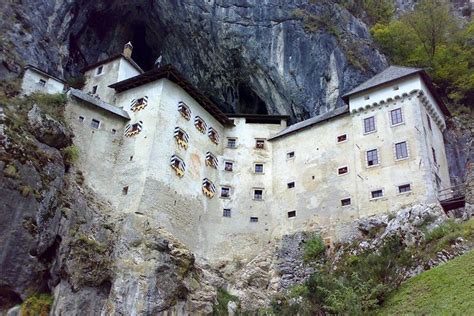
[(252, 217), (344, 141), (395, 150), (225, 187), (100, 123), (264, 143), (231, 162), (227, 143), (390, 117), (224, 212), (263, 194), (96, 87), (291, 217), (342, 174), (294, 185), (350, 201), (376, 198), (97, 73), (288, 155), (81, 119), (255, 168), (404, 193), (375, 125), (367, 160)]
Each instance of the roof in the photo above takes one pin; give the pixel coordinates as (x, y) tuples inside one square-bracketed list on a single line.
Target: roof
[(311, 122), (260, 118), (112, 58), (99, 103), (44, 73), (170, 73), (393, 73)]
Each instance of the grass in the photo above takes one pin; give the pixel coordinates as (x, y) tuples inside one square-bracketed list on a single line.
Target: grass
[(37, 305), (445, 290), (223, 298)]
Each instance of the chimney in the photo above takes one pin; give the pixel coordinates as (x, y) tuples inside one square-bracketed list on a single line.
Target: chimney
[(127, 50)]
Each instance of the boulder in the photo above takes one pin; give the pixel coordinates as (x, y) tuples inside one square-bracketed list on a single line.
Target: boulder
[(48, 130)]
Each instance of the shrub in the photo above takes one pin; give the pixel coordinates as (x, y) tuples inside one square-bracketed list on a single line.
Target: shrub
[(70, 154), (37, 305), (314, 247), (442, 230), (10, 171), (223, 298), (77, 82), (26, 190)]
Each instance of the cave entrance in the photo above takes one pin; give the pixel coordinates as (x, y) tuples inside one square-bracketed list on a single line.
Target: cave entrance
[(146, 45), (249, 102)]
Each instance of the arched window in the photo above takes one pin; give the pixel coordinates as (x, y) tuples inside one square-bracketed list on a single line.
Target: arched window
[(208, 188), (181, 137), (178, 165), (133, 129), (139, 104), (213, 135), (184, 110), (200, 124), (211, 160)]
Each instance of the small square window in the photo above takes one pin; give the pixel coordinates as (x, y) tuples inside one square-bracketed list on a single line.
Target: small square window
[(94, 90), (404, 188), (226, 212), (369, 124), (342, 170), (341, 138), (225, 192), (376, 194), (95, 123), (366, 97), (231, 142), (396, 88), (290, 155), (229, 166), (401, 150), (100, 69), (259, 168), (290, 185), (42, 82), (372, 157), (114, 131), (258, 194), (125, 190), (81, 119), (291, 214), (346, 202), (396, 116), (260, 143), (253, 219)]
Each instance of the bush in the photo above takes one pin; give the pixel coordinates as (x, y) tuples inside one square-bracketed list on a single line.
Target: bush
[(223, 298), (77, 82), (70, 154), (442, 230), (37, 305), (314, 247)]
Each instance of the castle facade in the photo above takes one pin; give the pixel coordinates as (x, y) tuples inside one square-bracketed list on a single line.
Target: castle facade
[(227, 184)]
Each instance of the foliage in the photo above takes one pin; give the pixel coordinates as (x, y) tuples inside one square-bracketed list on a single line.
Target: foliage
[(26, 190), (10, 171), (37, 305), (378, 11), (77, 82), (446, 234), (70, 154), (314, 247), (430, 37), (223, 298), (444, 290)]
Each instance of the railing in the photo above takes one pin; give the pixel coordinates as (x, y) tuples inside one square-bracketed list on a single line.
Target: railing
[(453, 193)]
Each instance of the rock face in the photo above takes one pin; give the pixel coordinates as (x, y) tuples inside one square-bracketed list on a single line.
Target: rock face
[(294, 58), (48, 130)]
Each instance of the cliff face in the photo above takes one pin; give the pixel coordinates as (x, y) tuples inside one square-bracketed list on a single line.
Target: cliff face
[(289, 57)]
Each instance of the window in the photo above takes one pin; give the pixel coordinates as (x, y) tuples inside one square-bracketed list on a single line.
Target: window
[(208, 188), (291, 214), (178, 165), (434, 155), (211, 160), (226, 212), (404, 188), (366, 97), (100, 69), (396, 88), (125, 190), (229, 166), (396, 116), (133, 129), (290, 185), (401, 150), (225, 192), (341, 138), (342, 170), (369, 124), (260, 143), (139, 104), (290, 155), (114, 131), (259, 168), (81, 119), (200, 124), (231, 142), (253, 219), (376, 194), (42, 82), (429, 121), (94, 90), (372, 157), (346, 202), (182, 138), (258, 194), (95, 123), (184, 110), (213, 135)]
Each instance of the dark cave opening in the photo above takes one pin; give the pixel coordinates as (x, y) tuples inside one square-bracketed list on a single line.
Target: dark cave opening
[(249, 102), (146, 45)]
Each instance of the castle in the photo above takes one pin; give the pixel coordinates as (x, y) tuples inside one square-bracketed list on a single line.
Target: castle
[(227, 184)]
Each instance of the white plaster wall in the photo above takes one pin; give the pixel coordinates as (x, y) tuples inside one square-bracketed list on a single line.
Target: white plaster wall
[(30, 83), (126, 70), (108, 76)]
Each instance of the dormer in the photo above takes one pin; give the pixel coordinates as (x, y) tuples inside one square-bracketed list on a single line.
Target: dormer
[(108, 71)]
